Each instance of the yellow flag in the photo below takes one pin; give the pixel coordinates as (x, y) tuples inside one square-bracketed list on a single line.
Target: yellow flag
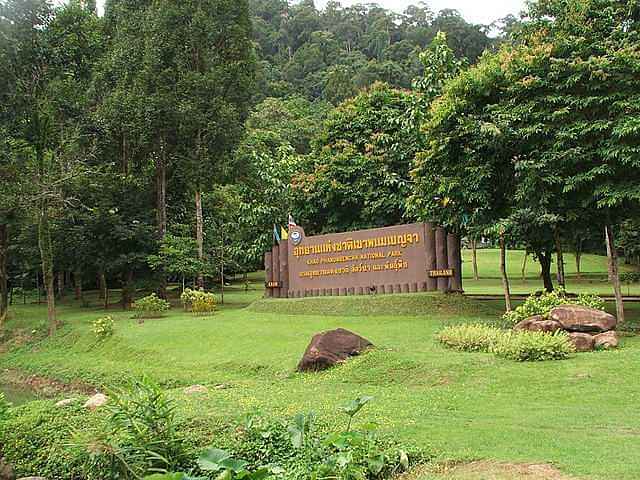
[(284, 234)]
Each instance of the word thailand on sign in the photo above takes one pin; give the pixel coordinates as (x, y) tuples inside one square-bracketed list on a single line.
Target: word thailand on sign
[(383, 260)]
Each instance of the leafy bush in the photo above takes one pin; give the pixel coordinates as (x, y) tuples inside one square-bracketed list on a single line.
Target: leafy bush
[(103, 327), (470, 338), (141, 435), (303, 450), (514, 345), (525, 346), (150, 306), (198, 302), (547, 301), (137, 434), (187, 298)]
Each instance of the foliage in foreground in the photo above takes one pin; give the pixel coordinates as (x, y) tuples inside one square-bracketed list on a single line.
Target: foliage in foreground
[(139, 434), (543, 304), (300, 450), (520, 346)]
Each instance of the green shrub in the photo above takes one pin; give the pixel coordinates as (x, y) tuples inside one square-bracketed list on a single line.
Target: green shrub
[(204, 304), (103, 327), (525, 346), (470, 338), (514, 345), (187, 298), (547, 301), (198, 302), (301, 449), (150, 306), (141, 435), (137, 434)]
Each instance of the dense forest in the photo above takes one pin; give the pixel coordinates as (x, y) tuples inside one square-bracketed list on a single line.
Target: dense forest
[(162, 141), (333, 53)]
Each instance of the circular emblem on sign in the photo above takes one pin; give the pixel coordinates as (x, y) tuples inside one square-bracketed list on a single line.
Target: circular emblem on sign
[(296, 237)]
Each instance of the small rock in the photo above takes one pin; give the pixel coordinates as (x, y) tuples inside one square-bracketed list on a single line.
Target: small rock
[(66, 402), (576, 318), (97, 401), (221, 386), (195, 390), (606, 340), (538, 323), (582, 341)]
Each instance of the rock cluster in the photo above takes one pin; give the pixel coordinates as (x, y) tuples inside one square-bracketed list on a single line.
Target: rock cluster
[(587, 328), (330, 348)]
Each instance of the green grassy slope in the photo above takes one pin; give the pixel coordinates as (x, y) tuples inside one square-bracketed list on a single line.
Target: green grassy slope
[(577, 414)]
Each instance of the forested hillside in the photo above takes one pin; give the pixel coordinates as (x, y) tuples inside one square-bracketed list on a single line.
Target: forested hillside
[(333, 53)]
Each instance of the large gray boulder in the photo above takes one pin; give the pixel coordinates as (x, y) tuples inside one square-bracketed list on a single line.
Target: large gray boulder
[(576, 318), (330, 348)]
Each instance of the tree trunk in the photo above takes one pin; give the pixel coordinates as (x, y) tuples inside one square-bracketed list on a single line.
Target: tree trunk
[(199, 235), (106, 295), (612, 255), (4, 280), (161, 205), (503, 273), (46, 255), (560, 258), (77, 280), (474, 259), (524, 265), (579, 264), (545, 264), (103, 289), (222, 270), (127, 291), (60, 278)]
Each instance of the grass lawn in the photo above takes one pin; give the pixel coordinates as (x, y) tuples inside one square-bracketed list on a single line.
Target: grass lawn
[(593, 277), (578, 415)]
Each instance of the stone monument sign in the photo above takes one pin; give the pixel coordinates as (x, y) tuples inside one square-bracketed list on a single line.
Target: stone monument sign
[(399, 259)]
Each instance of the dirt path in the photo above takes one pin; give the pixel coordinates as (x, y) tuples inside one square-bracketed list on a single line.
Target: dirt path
[(488, 470)]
